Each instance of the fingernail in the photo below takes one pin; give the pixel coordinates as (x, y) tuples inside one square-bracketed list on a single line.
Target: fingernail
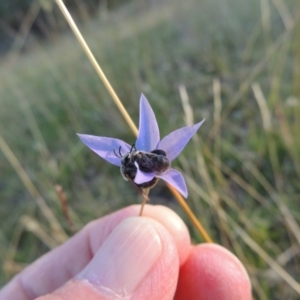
[(125, 257)]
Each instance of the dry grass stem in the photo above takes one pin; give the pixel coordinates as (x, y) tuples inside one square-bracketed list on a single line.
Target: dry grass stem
[(263, 106), (192, 217), (58, 231), (188, 112), (123, 110), (37, 229), (65, 208), (266, 257), (96, 66), (27, 22), (30, 119), (284, 14), (266, 117), (252, 74)]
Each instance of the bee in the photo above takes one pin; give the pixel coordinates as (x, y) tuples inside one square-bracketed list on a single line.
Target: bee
[(155, 161)]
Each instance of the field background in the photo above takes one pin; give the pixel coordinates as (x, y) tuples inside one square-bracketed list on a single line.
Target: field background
[(238, 63)]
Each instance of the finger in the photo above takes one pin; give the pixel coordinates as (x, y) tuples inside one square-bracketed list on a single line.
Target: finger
[(212, 272), (66, 261), (139, 260)]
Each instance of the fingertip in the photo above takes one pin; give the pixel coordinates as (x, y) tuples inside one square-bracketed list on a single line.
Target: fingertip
[(99, 229), (176, 227), (126, 256), (212, 272)]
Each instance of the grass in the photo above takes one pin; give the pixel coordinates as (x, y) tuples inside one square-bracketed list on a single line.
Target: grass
[(236, 63)]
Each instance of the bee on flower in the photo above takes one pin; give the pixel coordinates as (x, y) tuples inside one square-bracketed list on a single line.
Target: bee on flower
[(149, 158)]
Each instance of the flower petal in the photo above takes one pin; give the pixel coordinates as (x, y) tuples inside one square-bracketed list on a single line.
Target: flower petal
[(174, 142), (148, 137), (142, 177), (104, 147), (175, 179)]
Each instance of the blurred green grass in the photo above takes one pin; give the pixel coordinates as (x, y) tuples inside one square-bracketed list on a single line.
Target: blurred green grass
[(239, 62)]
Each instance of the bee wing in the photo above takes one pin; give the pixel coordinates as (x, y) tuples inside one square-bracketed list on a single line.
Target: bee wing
[(142, 177), (175, 179)]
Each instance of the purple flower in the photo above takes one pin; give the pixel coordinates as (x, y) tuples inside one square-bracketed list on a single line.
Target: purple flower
[(116, 151)]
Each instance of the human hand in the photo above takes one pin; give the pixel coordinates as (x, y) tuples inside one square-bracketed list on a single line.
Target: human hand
[(122, 256)]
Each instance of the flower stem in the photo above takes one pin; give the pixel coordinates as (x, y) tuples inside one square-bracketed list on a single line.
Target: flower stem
[(145, 199)]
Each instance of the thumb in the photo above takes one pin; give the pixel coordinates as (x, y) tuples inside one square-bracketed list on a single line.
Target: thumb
[(138, 260)]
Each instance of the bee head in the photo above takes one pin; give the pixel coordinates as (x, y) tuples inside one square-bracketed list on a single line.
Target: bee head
[(126, 158)]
